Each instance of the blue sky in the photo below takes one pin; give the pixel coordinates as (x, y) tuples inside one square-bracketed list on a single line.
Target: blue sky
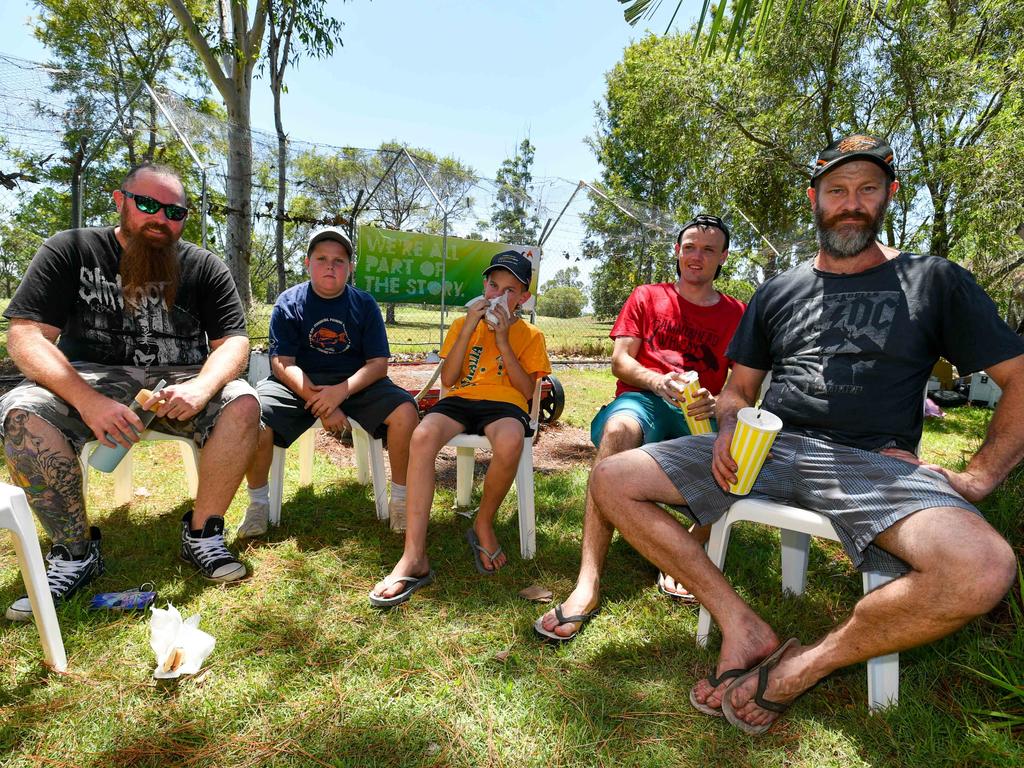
[(468, 78)]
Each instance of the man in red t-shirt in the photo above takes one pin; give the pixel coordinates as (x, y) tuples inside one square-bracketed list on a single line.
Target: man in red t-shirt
[(662, 330)]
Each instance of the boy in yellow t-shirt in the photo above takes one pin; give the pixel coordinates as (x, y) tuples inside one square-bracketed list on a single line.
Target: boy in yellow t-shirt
[(491, 365)]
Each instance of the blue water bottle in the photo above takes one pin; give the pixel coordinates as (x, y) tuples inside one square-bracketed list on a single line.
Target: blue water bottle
[(106, 459)]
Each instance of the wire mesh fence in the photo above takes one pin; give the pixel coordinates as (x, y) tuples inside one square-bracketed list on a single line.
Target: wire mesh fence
[(595, 247)]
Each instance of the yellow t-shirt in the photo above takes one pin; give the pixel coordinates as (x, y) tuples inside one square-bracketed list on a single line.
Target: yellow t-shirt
[(483, 376)]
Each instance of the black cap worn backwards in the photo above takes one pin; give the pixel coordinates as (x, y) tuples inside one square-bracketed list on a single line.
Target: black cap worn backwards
[(705, 220)]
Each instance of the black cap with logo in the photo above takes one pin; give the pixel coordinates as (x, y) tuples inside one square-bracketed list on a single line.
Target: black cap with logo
[(515, 262), (859, 146)]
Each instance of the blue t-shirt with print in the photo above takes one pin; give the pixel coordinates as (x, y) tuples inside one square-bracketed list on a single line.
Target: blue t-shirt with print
[(330, 339)]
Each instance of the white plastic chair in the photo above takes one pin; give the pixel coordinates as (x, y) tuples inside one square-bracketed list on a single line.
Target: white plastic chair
[(796, 528), (123, 473), (369, 453), (16, 516), (465, 449)]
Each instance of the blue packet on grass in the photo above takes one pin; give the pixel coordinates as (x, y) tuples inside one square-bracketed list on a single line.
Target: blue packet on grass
[(137, 599)]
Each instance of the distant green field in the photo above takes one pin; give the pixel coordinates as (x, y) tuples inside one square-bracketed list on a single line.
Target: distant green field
[(416, 330)]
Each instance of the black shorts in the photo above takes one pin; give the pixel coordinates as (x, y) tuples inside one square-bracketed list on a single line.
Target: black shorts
[(285, 412), (475, 415)]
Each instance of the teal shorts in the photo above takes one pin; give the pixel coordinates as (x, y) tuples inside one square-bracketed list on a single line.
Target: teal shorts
[(658, 420)]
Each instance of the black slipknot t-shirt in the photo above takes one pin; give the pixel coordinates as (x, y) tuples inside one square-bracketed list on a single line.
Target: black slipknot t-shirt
[(73, 284)]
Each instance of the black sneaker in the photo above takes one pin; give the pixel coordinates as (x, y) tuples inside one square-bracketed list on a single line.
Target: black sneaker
[(66, 574), (206, 551)]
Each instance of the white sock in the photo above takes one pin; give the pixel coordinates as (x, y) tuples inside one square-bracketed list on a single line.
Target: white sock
[(397, 492), (260, 495)]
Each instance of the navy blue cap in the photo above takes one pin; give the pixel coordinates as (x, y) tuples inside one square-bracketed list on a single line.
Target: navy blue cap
[(515, 262)]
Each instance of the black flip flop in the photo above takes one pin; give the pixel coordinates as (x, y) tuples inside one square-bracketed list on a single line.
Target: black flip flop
[(477, 548), (714, 682), (413, 583), (582, 619), (761, 670)]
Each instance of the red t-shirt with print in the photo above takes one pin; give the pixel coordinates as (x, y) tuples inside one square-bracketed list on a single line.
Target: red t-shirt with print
[(677, 335)]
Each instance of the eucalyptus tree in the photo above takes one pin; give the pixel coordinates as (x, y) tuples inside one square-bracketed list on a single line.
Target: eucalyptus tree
[(102, 51), (230, 45), (293, 27)]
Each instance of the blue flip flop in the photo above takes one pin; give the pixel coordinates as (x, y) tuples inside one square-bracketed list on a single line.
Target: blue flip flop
[(412, 584), (477, 549)]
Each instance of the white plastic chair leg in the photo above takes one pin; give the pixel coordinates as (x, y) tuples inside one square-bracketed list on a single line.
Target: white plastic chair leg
[(883, 671), (190, 460), (16, 516), (122, 481), (527, 510), (795, 557), (369, 453), (307, 443), (276, 483), (464, 463), (380, 483), (361, 449), (717, 546)]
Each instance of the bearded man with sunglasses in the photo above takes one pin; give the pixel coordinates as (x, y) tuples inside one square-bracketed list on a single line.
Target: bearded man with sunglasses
[(102, 313)]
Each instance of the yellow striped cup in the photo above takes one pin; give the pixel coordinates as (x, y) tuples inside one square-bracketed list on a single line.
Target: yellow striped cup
[(691, 385), (755, 432)]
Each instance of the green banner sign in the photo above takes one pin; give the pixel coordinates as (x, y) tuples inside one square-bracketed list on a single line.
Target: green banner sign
[(406, 267)]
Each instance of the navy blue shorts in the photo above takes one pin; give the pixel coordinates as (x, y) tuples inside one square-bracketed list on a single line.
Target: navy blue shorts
[(285, 412), (475, 415)]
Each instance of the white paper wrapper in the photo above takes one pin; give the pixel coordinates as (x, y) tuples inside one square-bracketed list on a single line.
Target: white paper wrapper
[(489, 315), (169, 636)]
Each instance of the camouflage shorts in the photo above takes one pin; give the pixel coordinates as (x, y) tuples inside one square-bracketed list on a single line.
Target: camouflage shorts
[(120, 383)]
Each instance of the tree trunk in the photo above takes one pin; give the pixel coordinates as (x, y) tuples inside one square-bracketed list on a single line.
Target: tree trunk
[(238, 242), (940, 228), (389, 317), (282, 188), (76, 186)]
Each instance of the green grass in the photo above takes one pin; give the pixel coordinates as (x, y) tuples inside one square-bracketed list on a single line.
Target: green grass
[(306, 673)]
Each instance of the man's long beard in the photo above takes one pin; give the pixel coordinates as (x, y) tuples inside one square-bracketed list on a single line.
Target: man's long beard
[(847, 240), (149, 263)]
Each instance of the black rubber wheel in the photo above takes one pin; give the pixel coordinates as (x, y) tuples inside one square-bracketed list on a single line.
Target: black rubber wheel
[(552, 402)]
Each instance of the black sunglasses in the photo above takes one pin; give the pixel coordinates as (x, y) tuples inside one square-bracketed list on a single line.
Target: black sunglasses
[(149, 205)]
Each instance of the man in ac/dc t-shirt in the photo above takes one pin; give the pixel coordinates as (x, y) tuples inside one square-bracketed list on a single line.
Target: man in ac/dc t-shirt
[(662, 330)]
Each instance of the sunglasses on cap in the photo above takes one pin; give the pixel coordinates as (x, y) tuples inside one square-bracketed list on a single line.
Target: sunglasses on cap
[(149, 205), (704, 220)]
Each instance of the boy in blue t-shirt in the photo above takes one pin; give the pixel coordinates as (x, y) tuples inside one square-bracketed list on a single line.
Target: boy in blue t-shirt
[(328, 360)]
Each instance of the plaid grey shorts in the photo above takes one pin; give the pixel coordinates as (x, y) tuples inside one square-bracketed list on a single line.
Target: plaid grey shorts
[(860, 492), (120, 383)]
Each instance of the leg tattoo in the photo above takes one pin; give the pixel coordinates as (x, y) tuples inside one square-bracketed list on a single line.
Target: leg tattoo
[(44, 464)]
